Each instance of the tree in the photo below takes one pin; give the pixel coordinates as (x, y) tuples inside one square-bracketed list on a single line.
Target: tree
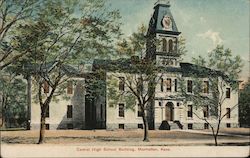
[(12, 14), (214, 74), (139, 81), (65, 33), (13, 100), (244, 106)]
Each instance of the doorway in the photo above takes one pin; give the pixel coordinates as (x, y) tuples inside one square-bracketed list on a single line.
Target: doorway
[(169, 111)]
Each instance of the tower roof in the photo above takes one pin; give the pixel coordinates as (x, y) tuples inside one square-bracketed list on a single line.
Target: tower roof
[(162, 20)]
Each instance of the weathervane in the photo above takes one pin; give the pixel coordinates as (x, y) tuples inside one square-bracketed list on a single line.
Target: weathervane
[(167, 2)]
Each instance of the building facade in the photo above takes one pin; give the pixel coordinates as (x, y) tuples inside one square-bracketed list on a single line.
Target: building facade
[(167, 110)]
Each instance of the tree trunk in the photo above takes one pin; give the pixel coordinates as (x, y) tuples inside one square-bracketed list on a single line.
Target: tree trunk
[(215, 140), (145, 123), (28, 102), (3, 124), (42, 128)]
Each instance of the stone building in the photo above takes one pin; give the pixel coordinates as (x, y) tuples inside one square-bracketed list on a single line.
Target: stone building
[(84, 111)]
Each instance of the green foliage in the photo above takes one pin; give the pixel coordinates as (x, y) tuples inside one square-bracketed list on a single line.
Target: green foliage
[(134, 45), (116, 96), (13, 94), (66, 32), (244, 105), (12, 14)]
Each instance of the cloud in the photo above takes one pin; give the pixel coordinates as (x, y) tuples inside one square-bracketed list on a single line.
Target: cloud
[(214, 36), (203, 20)]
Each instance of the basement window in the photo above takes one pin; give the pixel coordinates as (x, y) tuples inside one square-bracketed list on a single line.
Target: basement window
[(47, 126), (190, 126), (140, 126), (69, 126), (121, 126)]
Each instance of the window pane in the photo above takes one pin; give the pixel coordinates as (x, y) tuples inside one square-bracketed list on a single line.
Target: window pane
[(190, 111), (206, 87), (168, 84), (175, 85), (121, 83), (164, 45), (139, 112), (47, 112), (69, 111), (121, 126), (162, 85), (121, 110), (228, 112), (228, 92), (70, 87), (205, 111), (46, 87), (170, 45), (189, 86)]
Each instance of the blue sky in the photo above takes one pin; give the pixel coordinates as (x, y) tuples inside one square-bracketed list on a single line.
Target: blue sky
[(203, 23)]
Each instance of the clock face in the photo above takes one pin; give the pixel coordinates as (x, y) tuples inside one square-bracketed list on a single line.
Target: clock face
[(167, 23)]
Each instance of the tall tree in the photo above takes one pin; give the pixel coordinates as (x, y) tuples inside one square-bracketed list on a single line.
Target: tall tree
[(12, 14), (65, 33), (13, 97), (213, 81), (139, 81), (244, 106)]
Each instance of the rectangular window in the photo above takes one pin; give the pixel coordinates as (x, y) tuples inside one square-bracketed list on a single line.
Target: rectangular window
[(168, 84), (205, 111), (139, 111), (228, 93), (121, 110), (162, 85), (47, 126), (46, 87), (228, 125), (121, 83), (47, 112), (228, 112), (121, 126), (190, 111), (175, 85), (69, 126), (160, 103), (190, 126), (140, 126), (69, 111), (206, 87), (70, 87), (189, 86), (206, 126), (140, 85)]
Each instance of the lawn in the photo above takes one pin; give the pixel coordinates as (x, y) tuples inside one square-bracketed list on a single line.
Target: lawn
[(124, 137)]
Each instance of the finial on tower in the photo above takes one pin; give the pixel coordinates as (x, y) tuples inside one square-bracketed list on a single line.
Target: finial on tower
[(165, 2)]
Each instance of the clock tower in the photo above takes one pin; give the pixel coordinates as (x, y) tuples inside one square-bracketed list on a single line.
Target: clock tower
[(163, 35)]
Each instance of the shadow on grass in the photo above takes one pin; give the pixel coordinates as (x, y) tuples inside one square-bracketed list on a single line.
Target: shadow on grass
[(13, 129), (33, 140)]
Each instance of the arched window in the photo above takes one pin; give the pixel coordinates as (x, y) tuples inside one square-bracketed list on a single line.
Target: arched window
[(164, 45), (170, 45)]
